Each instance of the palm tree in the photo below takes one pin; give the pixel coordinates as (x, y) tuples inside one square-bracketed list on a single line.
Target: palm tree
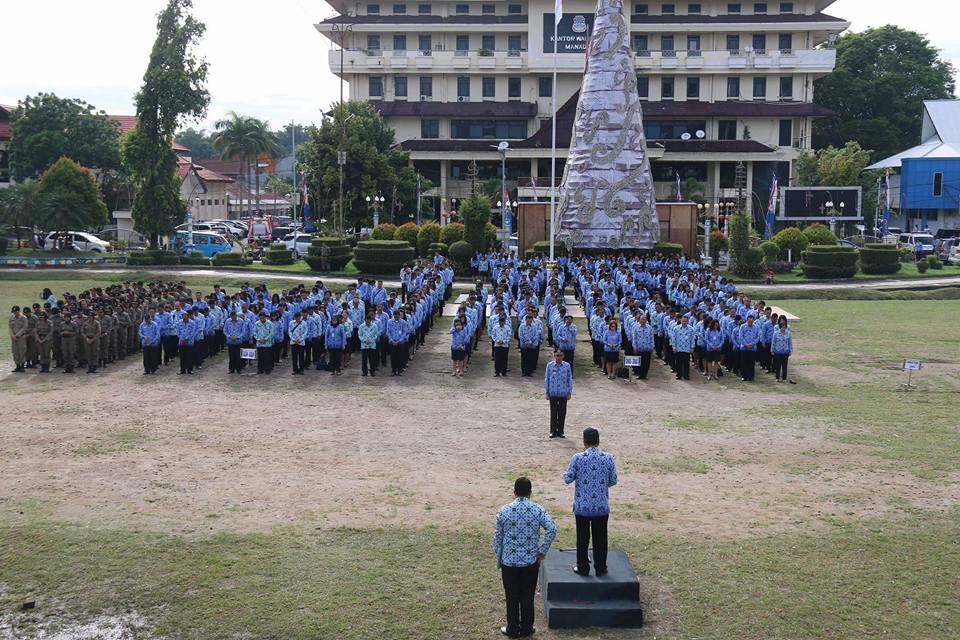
[(245, 138)]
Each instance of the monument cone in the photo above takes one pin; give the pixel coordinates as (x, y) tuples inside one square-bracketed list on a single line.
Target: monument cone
[(606, 197)]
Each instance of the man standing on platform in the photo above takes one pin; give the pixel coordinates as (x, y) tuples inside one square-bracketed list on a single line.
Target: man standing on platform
[(516, 542), (558, 387), (594, 472)]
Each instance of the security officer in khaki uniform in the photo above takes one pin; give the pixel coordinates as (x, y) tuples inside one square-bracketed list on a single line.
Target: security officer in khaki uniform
[(30, 355), (123, 328), (68, 342), (18, 326), (103, 347), (91, 331), (43, 334), (56, 339)]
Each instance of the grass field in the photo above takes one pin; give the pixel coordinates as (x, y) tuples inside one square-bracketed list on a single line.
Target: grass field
[(872, 552), (907, 270)]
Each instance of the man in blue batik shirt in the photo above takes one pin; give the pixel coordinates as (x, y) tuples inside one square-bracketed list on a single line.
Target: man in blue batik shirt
[(517, 545), (558, 387), (594, 472)]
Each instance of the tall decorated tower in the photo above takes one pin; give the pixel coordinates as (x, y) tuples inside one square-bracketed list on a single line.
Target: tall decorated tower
[(606, 197)]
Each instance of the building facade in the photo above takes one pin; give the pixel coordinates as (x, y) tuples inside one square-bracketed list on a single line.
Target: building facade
[(721, 83), (5, 112)]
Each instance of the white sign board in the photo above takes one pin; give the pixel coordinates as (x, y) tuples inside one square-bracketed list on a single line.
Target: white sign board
[(911, 365), (248, 354), (631, 361)]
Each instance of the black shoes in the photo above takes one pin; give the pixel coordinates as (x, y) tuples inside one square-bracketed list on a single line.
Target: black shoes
[(577, 571)]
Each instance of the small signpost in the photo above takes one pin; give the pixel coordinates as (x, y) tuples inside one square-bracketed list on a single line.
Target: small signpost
[(631, 361), (248, 354), (910, 366)]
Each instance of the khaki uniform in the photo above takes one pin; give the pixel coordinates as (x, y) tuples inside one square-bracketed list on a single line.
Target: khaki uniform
[(123, 328), (91, 332), (18, 326), (44, 338), (68, 343), (31, 340), (56, 341), (103, 351)]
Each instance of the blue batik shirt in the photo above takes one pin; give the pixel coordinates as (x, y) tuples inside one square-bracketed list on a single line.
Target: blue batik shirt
[(558, 380), (594, 472), (516, 536)]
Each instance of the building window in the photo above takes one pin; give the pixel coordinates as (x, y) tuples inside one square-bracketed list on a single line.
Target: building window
[(488, 42), (643, 86), (488, 129), (426, 86), (463, 42), (786, 87), (693, 87), (513, 43), (671, 130), (463, 87), (640, 43), (786, 7), (693, 43), (489, 87), (373, 43), (399, 42), (429, 128), (514, 9), (375, 85), (693, 9), (399, 9), (727, 130), (513, 87), (424, 9), (545, 86), (760, 7), (373, 9), (733, 7), (463, 9), (759, 42), (786, 133), (425, 42), (489, 9), (400, 86), (733, 43), (760, 87), (666, 43), (666, 88), (641, 9), (668, 9), (937, 184), (733, 87), (785, 42)]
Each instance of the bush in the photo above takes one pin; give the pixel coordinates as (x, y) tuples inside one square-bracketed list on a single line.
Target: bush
[(195, 258), (780, 266), (879, 259), (668, 248), (166, 258), (817, 233), (922, 266), (750, 264), (4, 243), (139, 259), (906, 254), (277, 254), (338, 254), (383, 231), (451, 233), (490, 233), (739, 229), (771, 251), (792, 242), (429, 234), (475, 211), (439, 246), (460, 253), (407, 232), (382, 256), (934, 263), (543, 247), (228, 259), (829, 261)]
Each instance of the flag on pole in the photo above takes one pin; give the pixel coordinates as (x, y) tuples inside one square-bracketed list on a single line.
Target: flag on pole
[(308, 225), (772, 207), (418, 198), (679, 193), (886, 203), (558, 12)]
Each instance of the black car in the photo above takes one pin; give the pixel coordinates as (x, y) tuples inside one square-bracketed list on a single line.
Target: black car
[(279, 232), (944, 234)]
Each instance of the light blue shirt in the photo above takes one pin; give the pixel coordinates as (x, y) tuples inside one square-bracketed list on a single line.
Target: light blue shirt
[(558, 380)]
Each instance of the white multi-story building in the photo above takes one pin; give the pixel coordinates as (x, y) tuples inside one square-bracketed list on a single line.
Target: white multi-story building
[(722, 83)]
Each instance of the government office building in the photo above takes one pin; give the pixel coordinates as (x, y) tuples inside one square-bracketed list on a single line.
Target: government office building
[(721, 83)]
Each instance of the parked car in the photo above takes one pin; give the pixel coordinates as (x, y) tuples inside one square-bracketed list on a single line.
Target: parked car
[(911, 239), (206, 242), (79, 240), (114, 235), (298, 243), (945, 246), (954, 257), (943, 234), (279, 233)]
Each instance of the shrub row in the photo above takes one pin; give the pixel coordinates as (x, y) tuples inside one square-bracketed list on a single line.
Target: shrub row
[(338, 254), (829, 261), (879, 259), (382, 256), (278, 254)]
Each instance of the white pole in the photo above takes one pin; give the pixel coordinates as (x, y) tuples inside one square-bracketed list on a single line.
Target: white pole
[(293, 194), (553, 142)]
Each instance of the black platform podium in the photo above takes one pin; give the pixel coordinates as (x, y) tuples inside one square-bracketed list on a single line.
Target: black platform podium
[(572, 601)]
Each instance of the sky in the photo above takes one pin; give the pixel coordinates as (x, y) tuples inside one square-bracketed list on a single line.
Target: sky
[(266, 59)]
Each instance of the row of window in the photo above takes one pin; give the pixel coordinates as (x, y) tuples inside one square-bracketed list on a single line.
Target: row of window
[(694, 8), (211, 203), (641, 42), (488, 86), (668, 87), (460, 9), (425, 42), (477, 129)]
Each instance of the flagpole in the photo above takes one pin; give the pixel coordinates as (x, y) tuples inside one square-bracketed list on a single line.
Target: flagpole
[(553, 137), (293, 142)]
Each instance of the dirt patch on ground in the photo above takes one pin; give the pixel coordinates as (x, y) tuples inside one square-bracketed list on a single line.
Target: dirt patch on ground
[(219, 452)]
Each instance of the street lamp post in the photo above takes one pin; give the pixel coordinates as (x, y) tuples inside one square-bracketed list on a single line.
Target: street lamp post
[(504, 204), (705, 208), (376, 202), (833, 218)]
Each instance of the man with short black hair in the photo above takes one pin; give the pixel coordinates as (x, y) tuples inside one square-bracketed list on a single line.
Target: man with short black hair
[(594, 472), (516, 542)]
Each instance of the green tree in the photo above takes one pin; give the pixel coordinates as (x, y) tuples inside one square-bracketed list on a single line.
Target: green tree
[(198, 141), (21, 205), (843, 167), (285, 141), (877, 89), (71, 198), (45, 128), (247, 139), (428, 235), (739, 241), (475, 211), (819, 234), (173, 89), (278, 185), (374, 164), (691, 189)]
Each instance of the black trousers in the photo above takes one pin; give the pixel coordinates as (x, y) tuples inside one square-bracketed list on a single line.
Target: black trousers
[(233, 354), (644, 367), (520, 589), (500, 355), (683, 364), (264, 359), (587, 525), (169, 348), (658, 345), (298, 357), (748, 364), (780, 365), (368, 361), (597, 353), (382, 350), (335, 359), (396, 357), (528, 360), (568, 357), (150, 358), (558, 415), (186, 358)]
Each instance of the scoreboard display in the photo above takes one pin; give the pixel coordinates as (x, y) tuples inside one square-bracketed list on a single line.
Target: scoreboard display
[(811, 203)]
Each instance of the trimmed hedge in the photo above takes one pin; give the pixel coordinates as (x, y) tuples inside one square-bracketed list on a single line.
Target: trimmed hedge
[(750, 264), (934, 263), (451, 233), (543, 247), (407, 232), (819, 234), (829, 261), (429, 233), (382, 256), (277, 254), (153, 257), (668, 248), (195, 258), (439, 246), (790, 240), (228, 259), (880, 259), (922, 266), (770, 251), (139, 259), (461, 252), (337, 258), (383, 231)]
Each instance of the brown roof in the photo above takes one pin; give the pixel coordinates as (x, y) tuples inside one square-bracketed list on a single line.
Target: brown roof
[(223, 167), (454, 19), (465, 109), (179, 147), (211, 176), (735, 19), (125, 123)]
